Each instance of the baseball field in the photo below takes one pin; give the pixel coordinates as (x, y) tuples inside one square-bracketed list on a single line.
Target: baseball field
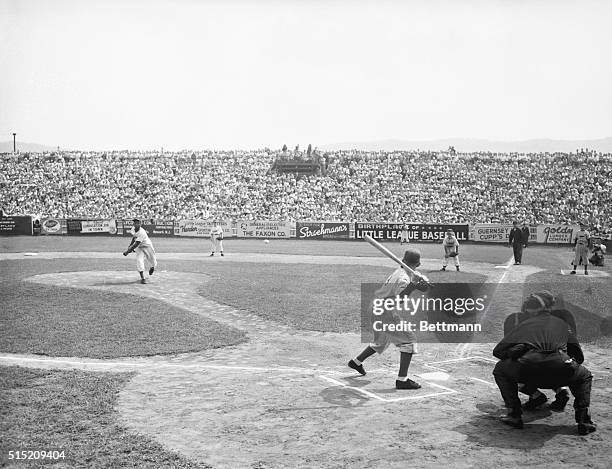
[(240, 361)]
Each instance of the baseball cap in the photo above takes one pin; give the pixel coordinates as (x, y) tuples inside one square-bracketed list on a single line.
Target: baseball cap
[(411, 256)]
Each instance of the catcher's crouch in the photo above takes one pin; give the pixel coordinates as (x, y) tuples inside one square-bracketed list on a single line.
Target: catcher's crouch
[(535, 353), (399, 283)]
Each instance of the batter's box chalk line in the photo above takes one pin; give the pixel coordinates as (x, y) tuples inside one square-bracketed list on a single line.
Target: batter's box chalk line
[(592, 273), (439, 374)]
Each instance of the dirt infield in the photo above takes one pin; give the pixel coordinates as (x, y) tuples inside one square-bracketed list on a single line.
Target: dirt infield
[(286, 399)]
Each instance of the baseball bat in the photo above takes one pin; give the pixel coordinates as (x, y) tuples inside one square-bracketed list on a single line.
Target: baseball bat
[(392, 256)]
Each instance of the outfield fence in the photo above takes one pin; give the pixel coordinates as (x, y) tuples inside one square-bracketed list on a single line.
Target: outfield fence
[(306, 229)]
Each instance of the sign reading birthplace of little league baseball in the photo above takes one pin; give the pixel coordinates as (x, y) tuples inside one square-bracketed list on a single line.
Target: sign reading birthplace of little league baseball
[(432, 232)]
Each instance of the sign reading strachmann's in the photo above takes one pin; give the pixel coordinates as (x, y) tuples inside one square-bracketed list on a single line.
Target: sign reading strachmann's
[(322, 230)]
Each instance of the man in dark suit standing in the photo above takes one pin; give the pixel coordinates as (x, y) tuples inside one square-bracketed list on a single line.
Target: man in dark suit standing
[(526, 233), (515, 240)]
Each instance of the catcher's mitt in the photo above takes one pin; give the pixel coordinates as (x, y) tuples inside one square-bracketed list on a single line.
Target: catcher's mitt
[(452, 254)]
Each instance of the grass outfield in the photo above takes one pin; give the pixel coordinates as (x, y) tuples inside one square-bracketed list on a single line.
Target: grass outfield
[(73, 411), (67, 322)]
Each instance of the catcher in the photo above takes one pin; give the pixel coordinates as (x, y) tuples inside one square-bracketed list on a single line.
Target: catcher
[(597, 259), (399, 283), (143, 247), (451, 249)]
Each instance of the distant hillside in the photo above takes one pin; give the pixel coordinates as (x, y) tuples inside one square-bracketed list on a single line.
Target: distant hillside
[(7, 147), (471, 145)]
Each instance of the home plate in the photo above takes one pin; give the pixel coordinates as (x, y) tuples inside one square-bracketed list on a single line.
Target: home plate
[(434, 376), (592, 273)]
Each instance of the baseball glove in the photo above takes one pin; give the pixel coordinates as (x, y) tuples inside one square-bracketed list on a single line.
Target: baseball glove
[(452, 254)]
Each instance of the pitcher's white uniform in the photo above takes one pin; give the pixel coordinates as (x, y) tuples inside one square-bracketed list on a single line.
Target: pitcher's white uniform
[(405, 341), (450, 245), (144, 250), (581, 238), (216, 239)]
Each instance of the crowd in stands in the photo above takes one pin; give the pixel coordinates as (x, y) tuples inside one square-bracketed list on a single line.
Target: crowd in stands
[(355, 186)]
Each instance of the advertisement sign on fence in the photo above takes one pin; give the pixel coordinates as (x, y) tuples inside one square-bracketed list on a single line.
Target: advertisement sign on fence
[(53, 226), (152, 227), (553, 234), (264, 229), (322, 230), (89, 227), (497, 233), (200, 228), (432, 232), (15, 225)]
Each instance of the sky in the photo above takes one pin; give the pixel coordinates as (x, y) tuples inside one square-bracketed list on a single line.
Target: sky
[(187, 74)]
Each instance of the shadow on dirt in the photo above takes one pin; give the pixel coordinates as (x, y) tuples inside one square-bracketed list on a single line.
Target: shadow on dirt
[(341, 396), (485, 429)]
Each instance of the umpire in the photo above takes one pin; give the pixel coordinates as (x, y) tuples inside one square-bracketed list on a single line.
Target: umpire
[(535, 353), (517, 242)]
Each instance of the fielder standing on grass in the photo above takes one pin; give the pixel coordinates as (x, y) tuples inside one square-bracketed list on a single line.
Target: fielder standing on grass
[(216, 239), (143, 247), (451, 249), (581, 246), (399, 283)]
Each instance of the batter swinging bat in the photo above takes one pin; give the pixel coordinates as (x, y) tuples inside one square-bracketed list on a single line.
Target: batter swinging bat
[(392, 256)]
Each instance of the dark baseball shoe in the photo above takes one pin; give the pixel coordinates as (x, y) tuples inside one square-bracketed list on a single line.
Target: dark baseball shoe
[(586, 428), (408, 384), (533, 404), (358, 368), (221, 254), (586, 273), (561, 400), (514, 422), (143, 281), (457, 268), (573, 272), (211, 254), (443, 268), (151, 270)]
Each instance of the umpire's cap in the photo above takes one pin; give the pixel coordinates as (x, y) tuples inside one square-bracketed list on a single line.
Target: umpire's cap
[(412, 257)]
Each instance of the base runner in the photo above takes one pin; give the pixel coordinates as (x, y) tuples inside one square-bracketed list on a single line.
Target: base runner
[(143, 247)]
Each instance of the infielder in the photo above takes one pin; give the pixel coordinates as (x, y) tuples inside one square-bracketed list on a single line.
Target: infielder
[(581, 246), (143, 247), (216, 239), (399, 283), (451, 249)]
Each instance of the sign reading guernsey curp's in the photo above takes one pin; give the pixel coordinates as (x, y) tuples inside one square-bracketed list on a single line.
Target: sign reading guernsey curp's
[(322, 230), (428, 232), (264, 229), (497, 233)]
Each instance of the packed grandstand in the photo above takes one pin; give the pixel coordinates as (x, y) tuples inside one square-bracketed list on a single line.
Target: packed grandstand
[(429, 187)]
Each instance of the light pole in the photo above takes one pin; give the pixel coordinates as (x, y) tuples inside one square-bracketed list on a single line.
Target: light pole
[(14, 145)]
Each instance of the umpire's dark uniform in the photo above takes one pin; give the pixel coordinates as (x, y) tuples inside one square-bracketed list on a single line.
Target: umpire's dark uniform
[(536, 353), (516, 240)]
